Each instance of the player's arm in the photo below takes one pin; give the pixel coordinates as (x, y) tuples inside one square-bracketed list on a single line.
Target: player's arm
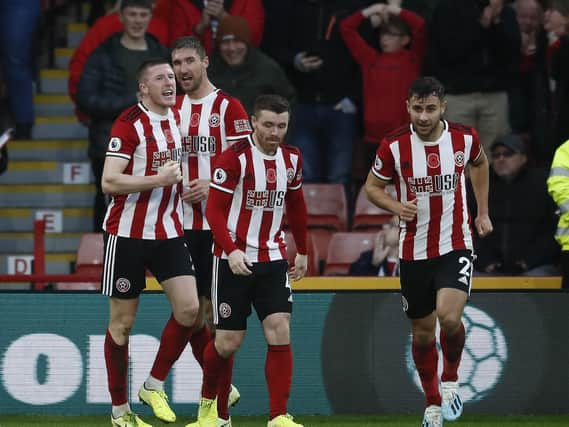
[(298, 223), (116, 182), (376, 194), (479, 177)]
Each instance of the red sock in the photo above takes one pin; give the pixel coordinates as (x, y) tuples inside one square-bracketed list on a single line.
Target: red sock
[(198, 341), (116, 359), (214, 364), (452, 346), (426, 359), (172, 343), (278, 372), (223, 389)]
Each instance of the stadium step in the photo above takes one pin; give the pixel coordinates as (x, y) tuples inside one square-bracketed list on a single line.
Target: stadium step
[(21, 242), (64, 150), (54, 81), (44, 172), (62, 57), (66, 219), (55, 263), (64, 127), (47, 195), (75, 32), (53, 105)]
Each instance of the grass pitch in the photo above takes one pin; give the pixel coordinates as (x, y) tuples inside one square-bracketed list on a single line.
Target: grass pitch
[(308, 421)]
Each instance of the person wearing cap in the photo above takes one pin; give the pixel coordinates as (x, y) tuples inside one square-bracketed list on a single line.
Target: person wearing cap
[(523, 215), (242, 70)]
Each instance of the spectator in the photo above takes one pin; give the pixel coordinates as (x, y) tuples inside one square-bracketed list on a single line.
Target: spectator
[(530, 100), (388, 73), (102, 29), (475, 52), (18, 21), (523, 216), (383, 259), (558, 17), (108, 84), (241, 69), (327, 81), (200, 18)]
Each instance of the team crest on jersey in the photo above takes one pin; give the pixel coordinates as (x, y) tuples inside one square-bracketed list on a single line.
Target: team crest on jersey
[(378, 164), (115, 144), (271, 176), (459, 158), (195, 120), (433, 160), (289, 175), (242, 125), (123, 285), (224, 310), (219, 176), (214, 120)]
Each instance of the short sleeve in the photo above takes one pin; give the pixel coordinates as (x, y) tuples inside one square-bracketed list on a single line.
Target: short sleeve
[(237, 123), (296, 181), (384, 165), (476, 149), (226, 171), (123, 140)]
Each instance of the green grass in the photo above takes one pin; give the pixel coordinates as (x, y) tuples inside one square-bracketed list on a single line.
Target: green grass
[(308, 421)]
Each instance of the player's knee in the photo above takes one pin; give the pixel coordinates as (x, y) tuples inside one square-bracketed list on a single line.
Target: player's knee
[(186, 315), (277, 329), (449, 323), (228, 344)]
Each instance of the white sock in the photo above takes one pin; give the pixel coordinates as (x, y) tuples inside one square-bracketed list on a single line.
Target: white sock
[(152, 383), (119, 411)]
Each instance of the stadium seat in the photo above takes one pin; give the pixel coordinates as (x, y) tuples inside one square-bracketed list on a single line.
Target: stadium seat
[(327, 206), (89, 262), (344, 249), (367, 216), (313, 258)]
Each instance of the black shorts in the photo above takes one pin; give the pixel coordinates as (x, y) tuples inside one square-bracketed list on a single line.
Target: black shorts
[(420, 280), (268, 289), (200, 244), (126, 261)]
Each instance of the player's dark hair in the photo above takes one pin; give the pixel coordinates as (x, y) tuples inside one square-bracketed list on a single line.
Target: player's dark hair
[(424, 87), (146, 65), (146, 4), (189, 42), (275, 103)]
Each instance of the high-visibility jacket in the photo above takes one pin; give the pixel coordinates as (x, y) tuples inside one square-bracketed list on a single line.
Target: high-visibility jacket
[(558, 187)]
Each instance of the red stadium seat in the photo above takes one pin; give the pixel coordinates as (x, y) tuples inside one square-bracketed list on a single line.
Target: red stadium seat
[(327, 206), (89, 261), (367, 216), (313, 259), (344, 249)]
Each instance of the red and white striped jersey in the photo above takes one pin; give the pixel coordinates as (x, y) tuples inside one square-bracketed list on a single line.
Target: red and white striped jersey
[(433, 173), (258, 184), (208, 127), (147, 140)]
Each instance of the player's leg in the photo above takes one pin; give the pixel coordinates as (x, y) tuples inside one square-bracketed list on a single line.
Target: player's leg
[(273, 304), (171, 264), (123, 280), (454, 282), (231, 307), (419, 303)]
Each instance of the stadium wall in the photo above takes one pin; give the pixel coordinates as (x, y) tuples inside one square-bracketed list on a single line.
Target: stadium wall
[(351, 355)]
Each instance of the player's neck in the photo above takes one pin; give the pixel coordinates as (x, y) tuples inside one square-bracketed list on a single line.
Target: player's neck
[(154, 108), (435, 133), (261, 149), (204, 90)]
